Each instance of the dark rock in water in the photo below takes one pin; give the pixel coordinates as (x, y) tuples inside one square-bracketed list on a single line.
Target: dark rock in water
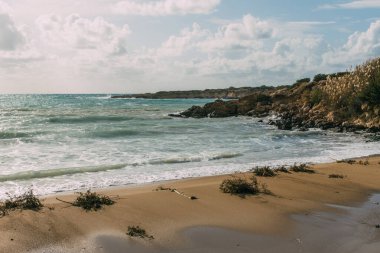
[(217, 109), (194, 112), (221, 109), (175, 115)]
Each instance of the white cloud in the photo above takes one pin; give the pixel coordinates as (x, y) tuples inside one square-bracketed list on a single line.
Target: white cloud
[(188, 39), (357, 4), (240, 51), (166, 7), (249, 32), (75, 32), (15, 48), (359, 47), (11, 36), (28, 10), (367, 42)]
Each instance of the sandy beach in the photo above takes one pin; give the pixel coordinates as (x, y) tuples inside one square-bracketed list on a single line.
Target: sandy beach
[(263, 223)]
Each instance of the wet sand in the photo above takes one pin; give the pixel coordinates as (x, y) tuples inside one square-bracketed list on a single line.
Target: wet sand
[(306, 213)]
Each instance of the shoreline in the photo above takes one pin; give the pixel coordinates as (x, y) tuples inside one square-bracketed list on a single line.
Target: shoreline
[(163, 181), (165, 214), (166, 181)]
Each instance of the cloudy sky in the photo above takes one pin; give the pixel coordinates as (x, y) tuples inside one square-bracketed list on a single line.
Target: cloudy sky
[(127, 46)]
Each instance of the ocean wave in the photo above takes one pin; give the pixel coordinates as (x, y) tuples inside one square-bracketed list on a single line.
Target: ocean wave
[(27, 175), (196, 158), (115, 133), (13, 135), (88, 119), (51, 173), (225, 156)]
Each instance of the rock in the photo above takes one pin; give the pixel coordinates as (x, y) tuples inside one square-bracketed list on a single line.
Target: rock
[(175, 115), (221, 109), (194, 112)]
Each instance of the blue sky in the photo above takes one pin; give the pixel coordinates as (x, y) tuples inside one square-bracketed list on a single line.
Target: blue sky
[(127, 46)]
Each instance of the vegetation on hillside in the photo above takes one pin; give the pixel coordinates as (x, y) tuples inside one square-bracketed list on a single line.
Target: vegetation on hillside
[(356, 89), (345, 101)]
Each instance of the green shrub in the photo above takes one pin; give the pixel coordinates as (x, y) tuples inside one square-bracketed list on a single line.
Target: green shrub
[(264, 172), (339, 74), (319, 77), (92, 201), (300, 81), (303, 80), (316, 96), (371, 93), (303, 168)]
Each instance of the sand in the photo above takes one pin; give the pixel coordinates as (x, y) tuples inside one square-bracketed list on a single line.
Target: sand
[(177, 223)]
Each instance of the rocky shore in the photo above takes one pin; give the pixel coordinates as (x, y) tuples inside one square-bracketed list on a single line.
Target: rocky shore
[(348, 101)]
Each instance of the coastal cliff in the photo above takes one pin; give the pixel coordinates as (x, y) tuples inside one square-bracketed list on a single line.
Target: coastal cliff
[(347, 101)]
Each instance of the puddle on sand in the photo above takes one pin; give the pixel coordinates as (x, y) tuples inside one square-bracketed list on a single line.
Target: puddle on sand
[(352, 230)]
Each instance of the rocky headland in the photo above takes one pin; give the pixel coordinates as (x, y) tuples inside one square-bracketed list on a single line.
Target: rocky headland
[(346, 101)]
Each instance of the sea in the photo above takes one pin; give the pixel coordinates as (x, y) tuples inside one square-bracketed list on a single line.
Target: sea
[(64, 143)]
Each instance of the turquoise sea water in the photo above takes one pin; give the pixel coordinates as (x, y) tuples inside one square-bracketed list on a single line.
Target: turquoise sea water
[(55, 143)]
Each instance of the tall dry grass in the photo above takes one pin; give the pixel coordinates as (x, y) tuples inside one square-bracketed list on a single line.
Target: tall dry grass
[(357, 87)]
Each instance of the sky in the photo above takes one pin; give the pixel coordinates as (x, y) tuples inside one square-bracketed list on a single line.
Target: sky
[(131, 46)]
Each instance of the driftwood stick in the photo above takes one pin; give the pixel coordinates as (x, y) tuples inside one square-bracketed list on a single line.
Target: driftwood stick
[(184, 195), (67, 202)]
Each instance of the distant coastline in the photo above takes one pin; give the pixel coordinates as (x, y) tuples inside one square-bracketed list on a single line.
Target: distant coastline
[(227, 93)]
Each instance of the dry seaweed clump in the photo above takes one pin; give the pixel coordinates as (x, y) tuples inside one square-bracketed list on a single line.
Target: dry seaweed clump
[(365, 163), (92, 201), (136, 231), (282, 169), (264, 172), (349, 161), (337, 176), (242, 186), (26, 201), (303, 168)]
